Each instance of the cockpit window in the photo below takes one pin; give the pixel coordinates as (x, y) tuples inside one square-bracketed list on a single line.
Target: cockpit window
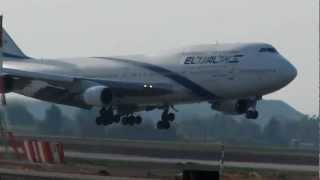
[(271, 50)]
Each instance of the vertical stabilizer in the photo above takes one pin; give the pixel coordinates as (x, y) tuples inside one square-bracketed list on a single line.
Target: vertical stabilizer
[(10, 48)]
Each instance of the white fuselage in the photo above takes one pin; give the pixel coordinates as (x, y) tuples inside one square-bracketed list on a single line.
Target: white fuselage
[(229, 71)]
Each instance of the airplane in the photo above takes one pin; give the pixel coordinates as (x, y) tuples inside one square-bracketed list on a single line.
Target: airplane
[(231, 77)]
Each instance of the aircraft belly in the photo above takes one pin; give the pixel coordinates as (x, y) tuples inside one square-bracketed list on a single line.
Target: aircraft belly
[(242, 85), (176, 98)]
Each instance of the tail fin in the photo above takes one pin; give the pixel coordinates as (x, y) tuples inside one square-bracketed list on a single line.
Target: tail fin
[(10, 48)]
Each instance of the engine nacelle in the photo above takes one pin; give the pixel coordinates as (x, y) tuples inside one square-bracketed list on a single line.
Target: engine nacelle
[(232, 106), (98, 96)]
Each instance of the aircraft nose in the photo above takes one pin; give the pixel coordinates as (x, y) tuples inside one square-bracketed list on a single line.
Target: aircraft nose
[(288, 72), (292, 72)]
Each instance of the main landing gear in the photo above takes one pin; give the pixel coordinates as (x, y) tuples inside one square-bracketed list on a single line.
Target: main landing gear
[(166, 118), (107, 117)]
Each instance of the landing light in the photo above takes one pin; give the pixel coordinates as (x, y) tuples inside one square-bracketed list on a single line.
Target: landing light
[(147, 86)]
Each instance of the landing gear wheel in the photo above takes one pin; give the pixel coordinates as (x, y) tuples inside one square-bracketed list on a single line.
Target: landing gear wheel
[(170, 117), (163, 125), (125, 121), (159, 124), (138, 120), (99, 121), (164, 115), (117, 118), (166, 125), (103, 111), (252, 114), (106, 117), (131, 120), (105, 123)]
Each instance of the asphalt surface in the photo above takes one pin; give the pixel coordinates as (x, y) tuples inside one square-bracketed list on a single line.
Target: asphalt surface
[(27, 174), (199, 151), (121, 157), (233, 164), (122, 154)]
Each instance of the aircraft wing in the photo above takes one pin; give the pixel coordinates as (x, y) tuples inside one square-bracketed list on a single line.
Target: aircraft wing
[(68, 90)]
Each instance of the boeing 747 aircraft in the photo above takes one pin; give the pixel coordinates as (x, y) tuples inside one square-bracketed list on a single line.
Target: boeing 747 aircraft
[(231, 77)]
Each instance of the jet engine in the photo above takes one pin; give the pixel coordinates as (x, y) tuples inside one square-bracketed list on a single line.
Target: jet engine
[(98, 96), (232, 106)]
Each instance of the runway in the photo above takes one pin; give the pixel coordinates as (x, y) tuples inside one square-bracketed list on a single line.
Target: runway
[(121, 157), (88, 165), (37, 175), (233, 164)]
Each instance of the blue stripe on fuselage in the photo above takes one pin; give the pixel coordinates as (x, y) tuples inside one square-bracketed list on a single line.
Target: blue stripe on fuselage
[(187, 83)]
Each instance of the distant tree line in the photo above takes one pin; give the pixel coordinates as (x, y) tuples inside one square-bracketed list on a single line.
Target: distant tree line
[(218, 127), (227, 129)]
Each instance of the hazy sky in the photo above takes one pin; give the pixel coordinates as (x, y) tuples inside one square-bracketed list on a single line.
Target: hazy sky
[(66, 28)]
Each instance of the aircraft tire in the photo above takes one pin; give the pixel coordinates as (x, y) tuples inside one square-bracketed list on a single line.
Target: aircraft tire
[(170, 117), (124, 121), (131, 120), (138, 120), (164, 115), (163, 125), (99, 121), (117, 118), (103, 111), (252, 114), (107, 121), (159, 124), (166, 125)]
